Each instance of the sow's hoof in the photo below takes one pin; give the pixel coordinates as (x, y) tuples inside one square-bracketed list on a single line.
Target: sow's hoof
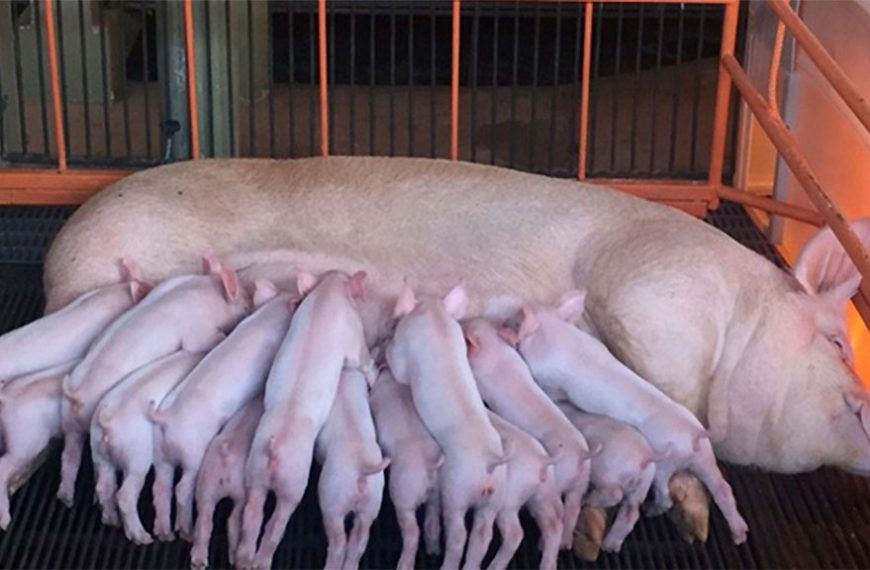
[(691, 510), (589, 533)]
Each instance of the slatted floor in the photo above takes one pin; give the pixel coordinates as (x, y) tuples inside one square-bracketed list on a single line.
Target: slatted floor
[(816, 520)]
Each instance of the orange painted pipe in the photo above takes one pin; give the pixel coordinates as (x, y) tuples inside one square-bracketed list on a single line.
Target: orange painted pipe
[(192, 100), (20, 186), (723, 96), (584, 92), (773, 76), (788, 148), (51, 38), (778, 207), (824, 62), (454, 84), (324, 78)]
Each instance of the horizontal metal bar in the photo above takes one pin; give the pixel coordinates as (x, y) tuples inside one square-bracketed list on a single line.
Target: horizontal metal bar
[(661, 190), (49, 187), (824, 62), (770, 205), (788, 148)]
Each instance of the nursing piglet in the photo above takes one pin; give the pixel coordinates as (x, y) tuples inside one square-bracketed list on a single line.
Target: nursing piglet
[(189, 312), (221, 475), (530, 483), (416, 457), (507, 387), (66, 334), (428, 353), (122, 437), (352, 478), (190, 416), (29, 418), (572, 365), (325, 336), (621, 474)]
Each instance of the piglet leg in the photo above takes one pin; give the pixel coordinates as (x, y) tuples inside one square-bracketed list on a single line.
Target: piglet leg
[(163, 475), (184, 504), (70, 461), (333, 524), (704, 466), (128, 500), (508, 522), (252, 520), (274, 530), (456, 535), (432, 523), (573, 502), (9, 465), (410, 538), (234, 529), (481, 536), (548, 514), (106, 487), (359, 539), (205, 505)]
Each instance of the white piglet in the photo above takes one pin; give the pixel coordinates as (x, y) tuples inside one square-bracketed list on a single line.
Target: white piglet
[(222, 475), (416, 457), (325, 336), (352, 478), (572, 365), (122, 437), (621, 474), (507, 387), (428, 353), (232, 374)]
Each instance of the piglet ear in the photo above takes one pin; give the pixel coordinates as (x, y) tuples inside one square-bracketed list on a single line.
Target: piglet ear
[(406, 301), (357, 286), (529, 324), (230, 281), (472, 343), (456, 302), (305, 282), (138, 290), (509, 335), (264, 290), (826, 270), (210, 263), (570, 305)]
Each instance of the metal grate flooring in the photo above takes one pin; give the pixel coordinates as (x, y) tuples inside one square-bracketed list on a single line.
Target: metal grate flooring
[(815, 520)]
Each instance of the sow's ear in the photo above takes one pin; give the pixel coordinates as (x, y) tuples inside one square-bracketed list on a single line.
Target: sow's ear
[(456, 302), (570, 306), (825, 269), (406, 301)]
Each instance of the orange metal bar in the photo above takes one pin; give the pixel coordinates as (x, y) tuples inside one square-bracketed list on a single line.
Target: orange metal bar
[(660, 190), (50, 187), (324, 88), (773, 76), (723, 97), (788, 148), (584, 92), (192, 101), (824, 62), (792, 211), (51, 37), (454, 84)]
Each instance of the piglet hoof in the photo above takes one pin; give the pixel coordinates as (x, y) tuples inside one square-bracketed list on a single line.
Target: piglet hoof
[(5, 519), (740, 532), (65, 496), (589, 532), (198, 558), (164, 536), (141, 539)]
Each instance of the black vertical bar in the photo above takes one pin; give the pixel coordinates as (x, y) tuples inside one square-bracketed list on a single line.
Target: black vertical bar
[(411, 79), (514, 79), (3, 130), (433, 57), (291, 75), (575, 127), (475, 40), (22, 121), (331, 80), (696, 96), (536, 48), (676, 98), (210, 78), (85, 94), (312, 74), (269, 47), (614, 110), (555, 100), (126, 105), (655, 95), (637, 67), (392, 79), (494, 95), (107, 131), (596, 69), (230, 79), (252, 112), (352, 110), (145, 81), (43, 103), (372, 67), (60, 58)]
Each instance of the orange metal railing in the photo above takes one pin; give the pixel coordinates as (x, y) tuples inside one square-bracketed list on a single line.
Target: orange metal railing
[(63, 186)]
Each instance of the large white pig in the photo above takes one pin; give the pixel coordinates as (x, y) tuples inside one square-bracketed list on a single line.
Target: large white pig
[(190, 312), (715, 326)]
